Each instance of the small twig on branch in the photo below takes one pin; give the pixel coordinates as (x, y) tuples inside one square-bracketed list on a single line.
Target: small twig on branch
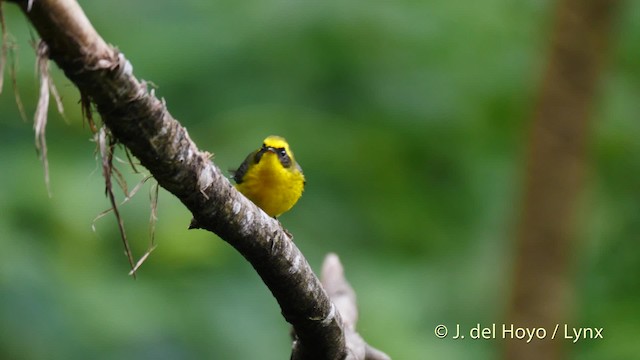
[(141, 122), (344, 297), (40, 117), (7, 48), (153, 218), (107, 146)]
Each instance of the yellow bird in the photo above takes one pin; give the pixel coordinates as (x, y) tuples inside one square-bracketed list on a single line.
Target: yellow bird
[(271, 177)]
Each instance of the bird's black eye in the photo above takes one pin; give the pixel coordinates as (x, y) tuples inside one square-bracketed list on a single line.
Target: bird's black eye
[(264, 146), (285, 160)]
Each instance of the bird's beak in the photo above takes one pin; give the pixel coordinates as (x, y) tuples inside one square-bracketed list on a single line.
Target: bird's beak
[(264, 150)]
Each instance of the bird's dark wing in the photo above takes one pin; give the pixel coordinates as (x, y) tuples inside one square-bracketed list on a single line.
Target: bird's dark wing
[(238, 174)]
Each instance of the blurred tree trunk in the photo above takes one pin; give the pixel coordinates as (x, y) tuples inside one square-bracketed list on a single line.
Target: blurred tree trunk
[(542, 283)]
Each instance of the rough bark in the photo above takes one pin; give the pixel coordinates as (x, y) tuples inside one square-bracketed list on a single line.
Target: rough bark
[(555, 173), (141, 122)]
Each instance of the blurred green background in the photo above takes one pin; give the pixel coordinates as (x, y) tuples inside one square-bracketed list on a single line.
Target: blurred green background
[(410, 120)]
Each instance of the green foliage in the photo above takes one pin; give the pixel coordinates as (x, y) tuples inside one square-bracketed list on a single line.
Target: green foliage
[(409, 119)]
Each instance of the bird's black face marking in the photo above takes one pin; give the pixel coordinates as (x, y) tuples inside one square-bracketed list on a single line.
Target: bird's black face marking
[(284, 158), (258, 155)]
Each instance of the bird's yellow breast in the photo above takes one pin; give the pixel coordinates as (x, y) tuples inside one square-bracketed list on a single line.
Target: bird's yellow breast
[(274, 188)]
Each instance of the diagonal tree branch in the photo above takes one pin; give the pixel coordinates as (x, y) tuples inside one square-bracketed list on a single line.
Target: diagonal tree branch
[(143, 124)]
